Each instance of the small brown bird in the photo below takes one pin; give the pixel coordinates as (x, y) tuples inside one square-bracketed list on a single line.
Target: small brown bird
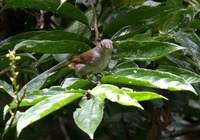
[(92, 61)]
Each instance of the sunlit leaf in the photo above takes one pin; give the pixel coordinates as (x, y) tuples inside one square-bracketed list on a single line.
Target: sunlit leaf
[(115, 94), (44, 108), (144, 95), (89, 116), (37, 96), (149, 78)]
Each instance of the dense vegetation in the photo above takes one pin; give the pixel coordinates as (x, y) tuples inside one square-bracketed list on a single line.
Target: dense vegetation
[(150, 89)]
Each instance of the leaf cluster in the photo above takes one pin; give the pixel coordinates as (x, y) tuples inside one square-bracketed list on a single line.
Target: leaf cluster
[(153, 74)]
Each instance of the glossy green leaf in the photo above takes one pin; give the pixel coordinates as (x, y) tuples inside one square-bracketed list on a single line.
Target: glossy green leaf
[(166, 21), (39, 81), (189, 76), (149, 78), (65, 10), (37, 96), (44, 108), (131, 30), (75, 83), (124, 65), (61, 35), (179, 21), (10, 42), (115, 14), (135, 16), (80, 28), (144, 95), (179, 62), (114, 94), (89, 116), (56, 76), (191, 41), (6, 87), (53, 47), (145, 50)]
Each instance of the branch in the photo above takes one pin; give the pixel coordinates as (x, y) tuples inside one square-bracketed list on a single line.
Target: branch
[(95, 20), (185, 131)]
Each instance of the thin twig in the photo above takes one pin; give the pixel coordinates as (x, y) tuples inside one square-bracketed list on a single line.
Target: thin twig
[(95, 20), (15, 112)]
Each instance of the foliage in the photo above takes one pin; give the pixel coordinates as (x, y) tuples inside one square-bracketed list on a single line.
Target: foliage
[(150, 89)]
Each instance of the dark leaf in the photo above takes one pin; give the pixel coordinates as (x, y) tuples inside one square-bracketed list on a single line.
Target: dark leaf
[(65, 10)]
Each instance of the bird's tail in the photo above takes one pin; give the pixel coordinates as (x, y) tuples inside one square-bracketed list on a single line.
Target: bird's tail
[(62, 66)]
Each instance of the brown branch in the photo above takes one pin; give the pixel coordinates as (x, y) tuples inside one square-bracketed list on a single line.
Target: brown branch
[(160, 119), (95, 20), (185, 131)]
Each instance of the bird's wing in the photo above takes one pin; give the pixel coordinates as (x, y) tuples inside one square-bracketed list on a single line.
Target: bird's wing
[(84, 58)]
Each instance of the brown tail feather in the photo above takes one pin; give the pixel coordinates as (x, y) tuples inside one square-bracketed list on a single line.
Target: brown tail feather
[(62, 66)]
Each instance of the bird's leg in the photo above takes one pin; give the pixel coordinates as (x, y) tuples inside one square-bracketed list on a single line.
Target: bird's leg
[(94, 79)]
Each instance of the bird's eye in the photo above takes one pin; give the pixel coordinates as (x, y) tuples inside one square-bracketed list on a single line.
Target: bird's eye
[(100, 44)]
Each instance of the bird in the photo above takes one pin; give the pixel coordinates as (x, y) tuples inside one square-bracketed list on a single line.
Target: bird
[(92, 61)]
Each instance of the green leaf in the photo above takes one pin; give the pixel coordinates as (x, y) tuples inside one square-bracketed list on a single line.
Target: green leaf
[(61, 35), (177, 61), (56, 76), (124, 65), (37, 96), (89, 116), (195, 24), (53, 47), (114, 94), (80, 28), (179, 21), (6, 87), (149, 78), (65, 10), (175, 2), (39, 81), (191, 41), (131, 30), (189, 76), (44, 108), (135, 16), (145, 50), (75, 83), (10, 42), (144, 95), (117, 13)]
